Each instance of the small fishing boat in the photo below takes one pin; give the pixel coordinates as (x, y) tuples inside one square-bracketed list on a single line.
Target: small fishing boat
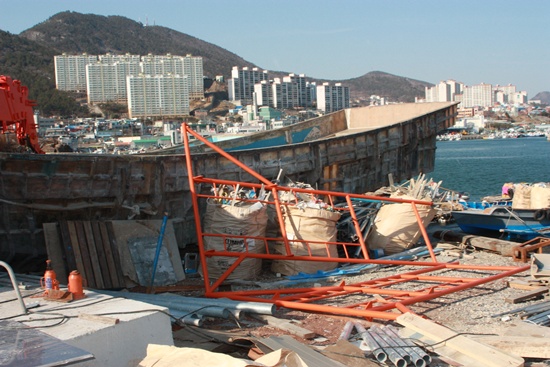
[(504, 222)]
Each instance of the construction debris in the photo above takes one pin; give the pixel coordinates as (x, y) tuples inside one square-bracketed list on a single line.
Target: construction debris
[(454, 346)]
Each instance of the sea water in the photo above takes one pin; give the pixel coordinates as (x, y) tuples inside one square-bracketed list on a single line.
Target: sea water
[(481, 167)]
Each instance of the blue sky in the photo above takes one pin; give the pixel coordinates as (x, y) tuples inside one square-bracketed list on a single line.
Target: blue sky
[(471, 41)]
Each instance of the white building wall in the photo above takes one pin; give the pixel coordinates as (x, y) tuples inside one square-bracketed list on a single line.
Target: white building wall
[(70, 71), (158, 96), (478, 95), (107, 82)]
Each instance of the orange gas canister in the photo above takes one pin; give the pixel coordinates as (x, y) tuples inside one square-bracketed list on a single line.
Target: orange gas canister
[(75, 285), (49, 280)]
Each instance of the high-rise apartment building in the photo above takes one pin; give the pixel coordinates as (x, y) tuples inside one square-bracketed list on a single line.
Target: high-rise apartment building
[(445, 91), (189, 65), (106, 82), (480, 95), (158, 95), (241, 85), (70, 71), (332, 98)]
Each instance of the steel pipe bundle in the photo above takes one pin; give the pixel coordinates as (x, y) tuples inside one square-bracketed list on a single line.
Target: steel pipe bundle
[(542, 318), (378, 352), (385, 343)]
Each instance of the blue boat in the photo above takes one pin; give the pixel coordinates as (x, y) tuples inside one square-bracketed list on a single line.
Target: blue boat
[(502, 221)]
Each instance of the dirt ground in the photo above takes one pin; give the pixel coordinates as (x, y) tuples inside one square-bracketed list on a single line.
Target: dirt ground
[(473, 311)]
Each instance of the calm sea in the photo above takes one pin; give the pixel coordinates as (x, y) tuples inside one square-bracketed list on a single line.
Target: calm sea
[(481, 167)]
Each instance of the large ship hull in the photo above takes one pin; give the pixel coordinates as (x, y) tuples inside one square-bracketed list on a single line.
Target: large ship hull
[(352, 150)]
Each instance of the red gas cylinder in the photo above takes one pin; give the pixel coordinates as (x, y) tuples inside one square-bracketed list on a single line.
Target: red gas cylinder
[(49, 280), (75, 285)]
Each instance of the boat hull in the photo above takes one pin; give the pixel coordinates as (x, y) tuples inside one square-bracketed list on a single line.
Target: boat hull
[(352, 150), (502, 221)]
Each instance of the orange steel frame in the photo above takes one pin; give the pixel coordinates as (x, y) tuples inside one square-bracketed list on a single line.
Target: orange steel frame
[(383, 298)]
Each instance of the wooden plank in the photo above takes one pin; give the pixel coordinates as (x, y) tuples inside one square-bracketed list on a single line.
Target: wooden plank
[(486, 355), (287, 326), (523, 346), (75, 248), (70, 257), (105, 273), (94, 259), (115, 282), (523, 285), (348, 354), (523, 297), (310, 356), (55, 251), (79, 243), (116, 255)]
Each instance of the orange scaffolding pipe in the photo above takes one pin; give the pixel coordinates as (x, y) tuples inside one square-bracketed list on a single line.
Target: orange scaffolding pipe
[(382, 299)]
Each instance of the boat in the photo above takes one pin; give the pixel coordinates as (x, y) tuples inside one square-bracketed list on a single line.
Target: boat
[(354, 150), (502, 221)]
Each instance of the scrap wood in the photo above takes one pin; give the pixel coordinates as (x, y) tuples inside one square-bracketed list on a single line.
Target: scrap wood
[(475, 352), (532, 294), (523, 346), (310, 356), (287, 326), (521, 328), (525, 285), (348, 354), (168, 356)]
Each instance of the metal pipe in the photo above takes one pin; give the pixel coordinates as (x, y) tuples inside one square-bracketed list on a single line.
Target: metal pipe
[(395, 353), (346, 332), (174, 305), (159, 247), (414, 351), (15, 286), (375, 348)]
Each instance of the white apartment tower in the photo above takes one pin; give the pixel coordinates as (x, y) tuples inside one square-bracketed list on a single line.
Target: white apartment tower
[(241, 85), (264, 93), (189, 65), (480, 95), (70, 71), (332, 98), (158, 95), (445, 91), (106, 82)]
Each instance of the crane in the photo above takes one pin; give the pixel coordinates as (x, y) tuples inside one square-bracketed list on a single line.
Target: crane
[(16, 112)]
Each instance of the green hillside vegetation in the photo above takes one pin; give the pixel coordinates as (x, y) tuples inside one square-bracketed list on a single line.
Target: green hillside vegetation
[(29, 57), (33, 65)]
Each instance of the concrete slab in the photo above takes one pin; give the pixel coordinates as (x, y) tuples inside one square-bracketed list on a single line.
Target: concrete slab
[(123, 343)]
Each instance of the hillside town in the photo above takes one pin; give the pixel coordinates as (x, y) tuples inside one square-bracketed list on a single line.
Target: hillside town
[(158, 92)]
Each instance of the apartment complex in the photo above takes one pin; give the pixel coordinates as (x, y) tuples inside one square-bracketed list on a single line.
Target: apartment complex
[(241, 85), (158, 95), (332, 98), (106, 82), (189, 65), (105, 78), (480, 95), (70, 71), (289, 92)]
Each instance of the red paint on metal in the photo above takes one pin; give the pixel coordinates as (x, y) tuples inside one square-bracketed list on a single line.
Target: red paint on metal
[(377, 298)]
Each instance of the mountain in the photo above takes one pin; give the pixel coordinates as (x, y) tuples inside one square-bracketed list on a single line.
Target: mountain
[(29, 55), (544, 98), (72, 32), (393, 87), (33, 65)]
